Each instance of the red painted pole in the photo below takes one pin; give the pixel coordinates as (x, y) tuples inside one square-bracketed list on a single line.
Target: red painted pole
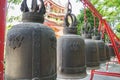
[(2, 36)]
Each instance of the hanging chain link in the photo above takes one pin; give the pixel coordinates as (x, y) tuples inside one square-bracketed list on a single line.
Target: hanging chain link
[(69, 7), (69, 16)]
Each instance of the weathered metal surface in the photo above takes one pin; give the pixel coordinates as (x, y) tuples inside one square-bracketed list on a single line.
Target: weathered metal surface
[(102, 52), (107, 52), (70, 50), (71, 56), (30, 53), (101, 48), (112, 52), (92, 55)]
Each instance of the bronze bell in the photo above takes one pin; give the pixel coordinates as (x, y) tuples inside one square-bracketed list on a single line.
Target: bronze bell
[(30, 48), (92, 55), (101, 49), (107, 52), (112, 53), (70, 53), (101, 45), (91, 49)]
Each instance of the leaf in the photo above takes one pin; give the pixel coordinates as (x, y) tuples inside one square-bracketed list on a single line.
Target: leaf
[(90, 19), (118, 28), (14, 1)]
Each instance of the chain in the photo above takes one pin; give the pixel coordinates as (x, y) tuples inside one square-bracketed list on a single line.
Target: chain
[(69, 7), (69, 16)]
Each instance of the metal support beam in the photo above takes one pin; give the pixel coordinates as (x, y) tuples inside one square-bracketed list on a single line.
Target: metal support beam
[(2, 35), (103, 73), (115, 41)]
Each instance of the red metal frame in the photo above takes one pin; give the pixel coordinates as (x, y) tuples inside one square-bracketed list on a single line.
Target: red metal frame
[(2, 35), (103, 73), (105, 28), (113, 38), (108, 30)]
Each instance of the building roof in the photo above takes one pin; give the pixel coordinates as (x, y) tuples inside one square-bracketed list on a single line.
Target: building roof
[(56, 14), (54, 3), (57, 29)]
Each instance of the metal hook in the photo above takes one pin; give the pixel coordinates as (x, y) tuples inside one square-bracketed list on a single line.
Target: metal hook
[(73, 19), (69, 7)]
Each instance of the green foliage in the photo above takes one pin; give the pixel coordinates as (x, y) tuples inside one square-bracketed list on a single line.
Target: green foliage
[(118, 34), (118, 27), (90, 19), (9, 26), (110, 9), (80, 19), (14, 18), (11, 19), (14, 1)]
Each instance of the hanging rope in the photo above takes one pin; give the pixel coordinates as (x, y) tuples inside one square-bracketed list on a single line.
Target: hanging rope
[(86, 29), (96, 32), (94, 21), (95, 29), (85, 16), (69, 7)]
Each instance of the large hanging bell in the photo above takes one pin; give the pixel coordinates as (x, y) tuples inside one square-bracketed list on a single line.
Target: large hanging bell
[(102, 53), (71, 53), (92, 55), (91, 48), (101, 45), (107, 52), (30, 50), (112, 52)]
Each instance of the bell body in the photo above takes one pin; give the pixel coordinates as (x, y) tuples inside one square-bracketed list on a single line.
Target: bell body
[(30, 53), (92, 55), (102, 51), (86, 36), (71, 57), (107, 52), (112, 52)]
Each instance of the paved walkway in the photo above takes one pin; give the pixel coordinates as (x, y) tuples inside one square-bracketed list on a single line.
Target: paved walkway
[(111, 68)]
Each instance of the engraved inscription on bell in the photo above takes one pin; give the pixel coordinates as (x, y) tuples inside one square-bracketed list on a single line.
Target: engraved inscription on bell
[(75, 46), (15, 41)]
